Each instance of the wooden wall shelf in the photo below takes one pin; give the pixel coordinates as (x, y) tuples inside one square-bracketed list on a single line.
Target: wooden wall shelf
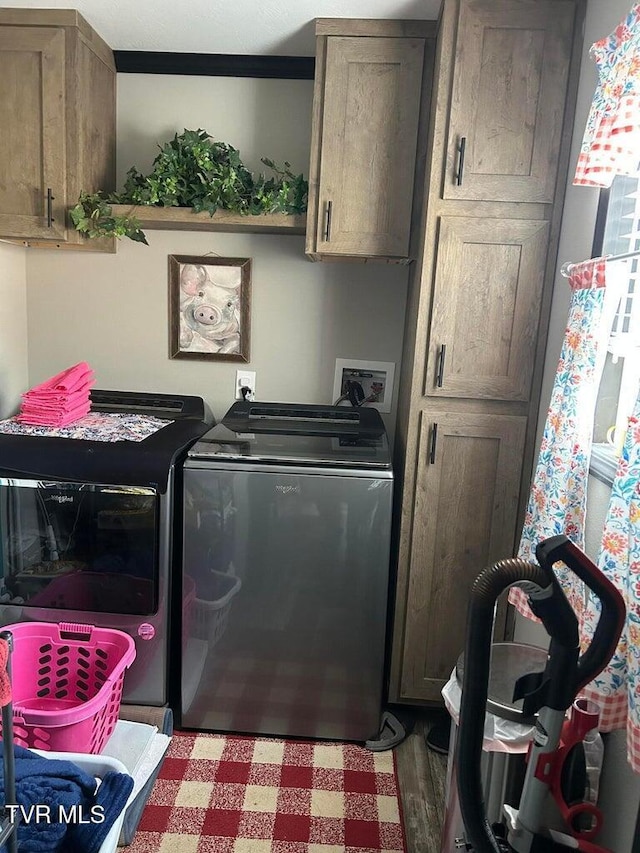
[(183, 219)]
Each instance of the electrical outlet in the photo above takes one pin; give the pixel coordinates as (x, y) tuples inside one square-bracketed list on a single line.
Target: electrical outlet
[(245, 379)]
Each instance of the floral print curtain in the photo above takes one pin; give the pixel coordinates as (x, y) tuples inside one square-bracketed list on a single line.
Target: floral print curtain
[(617, 688), (611, 142), (557, 501)]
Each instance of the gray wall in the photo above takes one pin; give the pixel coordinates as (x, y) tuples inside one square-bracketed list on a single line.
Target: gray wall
[(112, 310), (13, 327)]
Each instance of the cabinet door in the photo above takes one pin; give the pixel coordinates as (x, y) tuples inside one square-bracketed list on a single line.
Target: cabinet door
[(465, 512), (507, 106), (368, 145), (32, 130), (486, 305)]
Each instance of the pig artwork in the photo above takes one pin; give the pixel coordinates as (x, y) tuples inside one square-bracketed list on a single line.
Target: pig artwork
[(210, 308)]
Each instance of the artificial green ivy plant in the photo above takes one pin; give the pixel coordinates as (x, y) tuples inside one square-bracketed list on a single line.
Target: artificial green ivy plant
[(192, 170)]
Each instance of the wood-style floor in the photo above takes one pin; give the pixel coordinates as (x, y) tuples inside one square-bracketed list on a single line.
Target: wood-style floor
[(422, 780)]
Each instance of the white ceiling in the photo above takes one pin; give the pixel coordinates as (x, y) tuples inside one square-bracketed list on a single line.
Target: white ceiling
[(271, 27)]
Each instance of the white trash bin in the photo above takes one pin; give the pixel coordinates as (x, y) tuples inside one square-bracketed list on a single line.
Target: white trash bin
[(507, 734)]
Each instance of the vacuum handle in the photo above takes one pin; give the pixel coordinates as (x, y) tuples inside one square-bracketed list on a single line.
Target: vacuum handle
[(488, 586), (612, 616)]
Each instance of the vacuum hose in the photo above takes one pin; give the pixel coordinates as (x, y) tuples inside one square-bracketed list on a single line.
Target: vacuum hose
[(484, 594)]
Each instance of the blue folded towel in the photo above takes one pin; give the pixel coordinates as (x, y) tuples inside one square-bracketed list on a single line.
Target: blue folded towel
[(53, 783)]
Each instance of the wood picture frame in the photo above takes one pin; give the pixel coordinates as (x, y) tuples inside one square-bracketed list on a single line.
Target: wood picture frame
[(209, 307)]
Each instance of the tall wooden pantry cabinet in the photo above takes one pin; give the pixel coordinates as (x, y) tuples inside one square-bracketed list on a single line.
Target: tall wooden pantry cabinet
[(501, 118)]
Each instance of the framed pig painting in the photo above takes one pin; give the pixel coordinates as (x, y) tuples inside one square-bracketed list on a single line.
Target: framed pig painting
[(209, 307)]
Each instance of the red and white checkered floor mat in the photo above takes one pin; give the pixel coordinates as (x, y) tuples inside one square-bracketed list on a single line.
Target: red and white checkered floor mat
[(232, 794)]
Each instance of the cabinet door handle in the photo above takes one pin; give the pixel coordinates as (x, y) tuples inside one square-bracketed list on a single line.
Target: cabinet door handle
[(327, 224), (461, 148), (440, 372), (434, 439), (50, 200)]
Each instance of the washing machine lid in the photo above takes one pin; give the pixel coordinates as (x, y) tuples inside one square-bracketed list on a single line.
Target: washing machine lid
[(329, 436)]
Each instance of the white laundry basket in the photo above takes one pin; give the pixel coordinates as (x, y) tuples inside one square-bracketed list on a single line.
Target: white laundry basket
[(210, 616), (97, 766)]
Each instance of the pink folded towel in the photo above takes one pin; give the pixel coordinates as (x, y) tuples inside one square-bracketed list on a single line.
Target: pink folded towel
[(56, 397), (60, 400), (65, 381), (65, 404), (35, 415), (55, 420), (38, 411), (78, 385)]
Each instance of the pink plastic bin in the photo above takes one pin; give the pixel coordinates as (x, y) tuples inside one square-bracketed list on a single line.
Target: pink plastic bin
[(67, 684)]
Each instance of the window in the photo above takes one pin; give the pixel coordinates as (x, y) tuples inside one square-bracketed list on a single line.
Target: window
[(620, 206)]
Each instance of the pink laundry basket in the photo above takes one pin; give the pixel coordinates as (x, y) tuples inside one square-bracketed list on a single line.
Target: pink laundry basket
[(67, 684)]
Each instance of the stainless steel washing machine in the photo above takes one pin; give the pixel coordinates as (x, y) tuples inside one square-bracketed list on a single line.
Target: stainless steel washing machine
[(287, 516)]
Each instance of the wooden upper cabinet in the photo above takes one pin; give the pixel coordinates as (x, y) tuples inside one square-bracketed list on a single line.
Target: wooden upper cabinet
[(468, 479), (366, 119), (489, 281), (32, 110), (57, 124), (507, 105)]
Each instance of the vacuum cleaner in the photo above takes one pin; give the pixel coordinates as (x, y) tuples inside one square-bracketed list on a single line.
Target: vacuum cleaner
[(554, 782)]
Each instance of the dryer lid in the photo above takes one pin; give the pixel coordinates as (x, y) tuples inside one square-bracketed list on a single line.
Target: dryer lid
[(166, 406), (130, 463)]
